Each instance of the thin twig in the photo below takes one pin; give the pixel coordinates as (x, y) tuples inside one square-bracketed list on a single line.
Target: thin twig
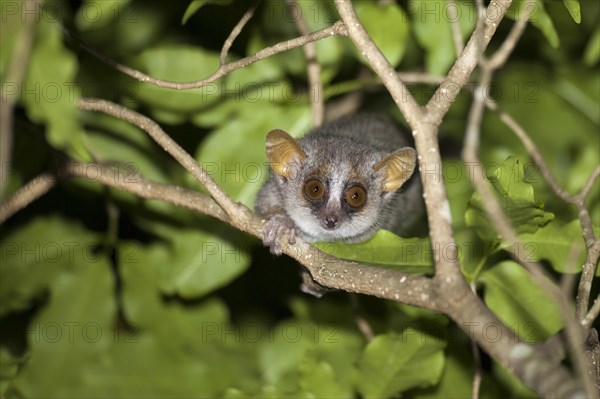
[(452, 11), (361, 322), (235, 32), (144, 188), (336, 29), (588, 184), (14, 76), (25, 195), (167, 143), (315, 89)]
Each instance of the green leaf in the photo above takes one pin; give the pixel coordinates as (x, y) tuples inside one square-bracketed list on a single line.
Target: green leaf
[(431, 26), (289, 339), (394, 363), (178, 63), (456, 378), (592, 50), (195, 5), (72, 332), (520, 303), (193, 263), (516, 198), (388, 26), (144, 306), (204, 356), (309, 345), (35, 254), (50, 96), (410, 255), (318, 379), (554, 243), (574, 9), (537, 16)]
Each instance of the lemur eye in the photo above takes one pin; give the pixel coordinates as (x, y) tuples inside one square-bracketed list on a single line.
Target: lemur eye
[(356, 197), (314, 190)]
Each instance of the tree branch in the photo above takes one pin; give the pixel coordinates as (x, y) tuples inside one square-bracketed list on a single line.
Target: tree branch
[(493, 209), (336, 29), (456, 299)]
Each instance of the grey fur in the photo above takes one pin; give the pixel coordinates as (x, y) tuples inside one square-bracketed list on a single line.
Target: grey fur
[(347, 147)]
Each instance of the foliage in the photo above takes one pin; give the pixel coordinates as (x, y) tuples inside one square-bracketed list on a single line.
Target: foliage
[(107, 295)]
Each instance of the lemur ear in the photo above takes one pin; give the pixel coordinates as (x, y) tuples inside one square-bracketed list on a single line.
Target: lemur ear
[(397, 168), (283, 151)]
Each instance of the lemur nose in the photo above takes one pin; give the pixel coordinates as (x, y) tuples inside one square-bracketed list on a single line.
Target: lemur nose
[(331, 221)]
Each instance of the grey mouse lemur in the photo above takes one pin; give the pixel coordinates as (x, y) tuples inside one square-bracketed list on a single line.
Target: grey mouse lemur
[(341, 182)]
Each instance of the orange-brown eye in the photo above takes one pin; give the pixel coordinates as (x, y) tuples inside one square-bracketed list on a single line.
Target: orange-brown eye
[(356, 197), (314, 190)]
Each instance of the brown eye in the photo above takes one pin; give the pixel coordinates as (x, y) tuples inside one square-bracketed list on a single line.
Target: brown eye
[(314, 190), (356, 197)]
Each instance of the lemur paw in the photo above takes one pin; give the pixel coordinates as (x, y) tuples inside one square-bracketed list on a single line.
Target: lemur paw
[(274, 231)]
